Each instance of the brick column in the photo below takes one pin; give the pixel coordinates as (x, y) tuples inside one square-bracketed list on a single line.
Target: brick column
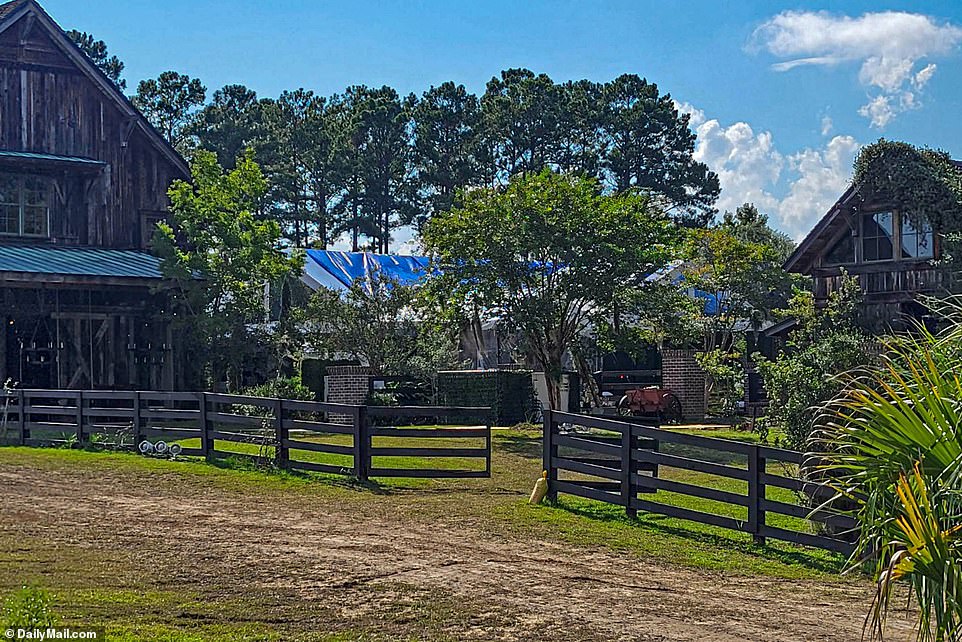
[(681, 374), (347, 385)]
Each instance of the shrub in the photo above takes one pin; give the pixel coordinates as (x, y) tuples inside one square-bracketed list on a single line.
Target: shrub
[(826, 343), (28, 608)]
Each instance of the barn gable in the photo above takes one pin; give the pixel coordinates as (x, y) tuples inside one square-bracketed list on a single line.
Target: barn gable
[(893, 258)]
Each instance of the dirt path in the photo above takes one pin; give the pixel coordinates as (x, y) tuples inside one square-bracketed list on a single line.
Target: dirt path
[(368, 569)]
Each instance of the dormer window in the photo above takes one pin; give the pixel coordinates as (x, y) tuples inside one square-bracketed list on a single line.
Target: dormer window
[(25, 205)]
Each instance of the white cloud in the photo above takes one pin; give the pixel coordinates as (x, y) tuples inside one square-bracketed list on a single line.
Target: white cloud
[(795, 189), (827, 125), (888, 44)]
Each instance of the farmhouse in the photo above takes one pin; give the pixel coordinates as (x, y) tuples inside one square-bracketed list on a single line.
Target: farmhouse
[(83, 181), (893, 258)]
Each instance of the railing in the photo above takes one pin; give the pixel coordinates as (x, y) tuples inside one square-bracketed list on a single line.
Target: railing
[(636, 459), (296, 435)]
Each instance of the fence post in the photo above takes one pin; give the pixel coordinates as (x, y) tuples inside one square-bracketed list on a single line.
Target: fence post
[(362, 463), (550, 451), (21, 404), (80, 419), (280, 431), (205, 445), (487, 444), (628, 491), (135, 420), (756, 494)]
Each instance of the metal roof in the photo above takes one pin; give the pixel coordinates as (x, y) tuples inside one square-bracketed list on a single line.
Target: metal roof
[(79, 261), (52, 158)]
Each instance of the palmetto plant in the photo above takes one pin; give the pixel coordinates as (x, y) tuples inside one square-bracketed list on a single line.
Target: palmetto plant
[(892, 444)]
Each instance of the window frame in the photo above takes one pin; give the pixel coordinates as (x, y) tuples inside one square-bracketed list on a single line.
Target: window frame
[(896, 238), (23, 206)]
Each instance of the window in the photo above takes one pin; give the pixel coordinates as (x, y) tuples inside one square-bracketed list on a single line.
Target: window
[(917, 239), (878, 230), (842, 252), (24, 205)]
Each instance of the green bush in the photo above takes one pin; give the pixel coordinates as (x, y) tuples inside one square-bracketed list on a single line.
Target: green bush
[(282, 388), (509, 393), (826, 343), (28, 608)]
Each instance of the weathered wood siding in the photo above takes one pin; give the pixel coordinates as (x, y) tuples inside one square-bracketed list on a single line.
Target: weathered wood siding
[(48, 105)]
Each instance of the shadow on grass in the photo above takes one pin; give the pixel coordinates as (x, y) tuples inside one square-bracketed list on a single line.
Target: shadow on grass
[(822, 561), (526, 446)]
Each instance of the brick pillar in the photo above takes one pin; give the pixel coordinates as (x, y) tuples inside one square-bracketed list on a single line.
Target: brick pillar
[(347, 385), (681, 374)]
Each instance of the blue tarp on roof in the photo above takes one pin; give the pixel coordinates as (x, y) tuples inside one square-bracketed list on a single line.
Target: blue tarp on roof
[(337, 270), (79, 261)]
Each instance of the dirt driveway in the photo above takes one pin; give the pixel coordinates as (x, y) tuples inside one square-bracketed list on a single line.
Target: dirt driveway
[(306, 563)]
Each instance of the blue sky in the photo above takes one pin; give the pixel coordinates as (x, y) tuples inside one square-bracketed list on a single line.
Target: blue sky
[(776, 89)]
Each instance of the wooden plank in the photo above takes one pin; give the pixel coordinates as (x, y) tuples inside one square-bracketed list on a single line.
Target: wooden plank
[(166, 413), (332, 449), (686, 463), (318, 426), (721, 521), (238, 420), (317, 406), (430, 433), (109, 412), (125, 395), (427, 411), (588, 492), (427, 473), (660, 483), (586, 444), (590, 421), (428, 452), (780, 454), (574, 466), (808, 539), (148, 395), (320, 468), (241, 437), (66, 411), (214, 398), (839, 520)]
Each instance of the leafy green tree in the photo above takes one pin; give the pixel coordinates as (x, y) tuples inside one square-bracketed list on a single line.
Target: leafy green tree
[(218, 257), (749, 225), (826, 343), (650, 147), (522, 114), (230, 124), (170, 103), (382, 324), (548, 252), (581, 140), (446, 146), (381, 192), (290, 127), (744, 279), (96, 50)]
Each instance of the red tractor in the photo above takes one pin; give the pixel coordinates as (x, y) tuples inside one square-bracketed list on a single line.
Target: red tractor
[(651, 401)]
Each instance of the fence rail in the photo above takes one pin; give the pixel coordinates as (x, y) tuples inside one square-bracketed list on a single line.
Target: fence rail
[(627, 470), (295, 430)]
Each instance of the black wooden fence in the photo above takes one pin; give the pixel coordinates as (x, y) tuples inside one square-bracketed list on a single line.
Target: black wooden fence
[(290, 432), (622, 462)]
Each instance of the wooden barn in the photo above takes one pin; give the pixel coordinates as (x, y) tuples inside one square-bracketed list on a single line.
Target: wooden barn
[(894, 259), (83, 181)]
